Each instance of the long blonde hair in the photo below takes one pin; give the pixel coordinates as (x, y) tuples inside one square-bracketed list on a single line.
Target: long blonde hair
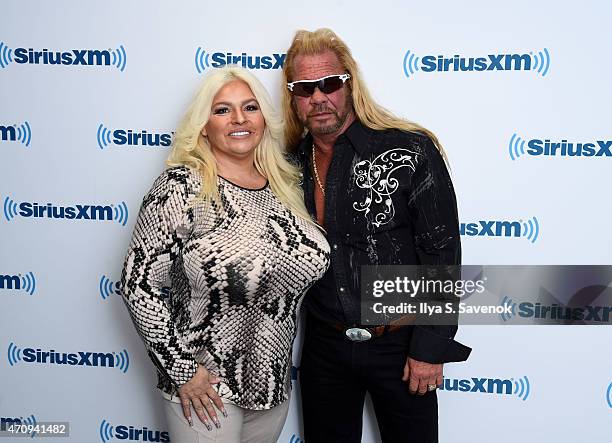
[(367, 110), (190, 148)]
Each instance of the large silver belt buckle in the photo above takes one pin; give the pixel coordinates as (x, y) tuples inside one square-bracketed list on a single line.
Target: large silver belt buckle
[(358, 334)]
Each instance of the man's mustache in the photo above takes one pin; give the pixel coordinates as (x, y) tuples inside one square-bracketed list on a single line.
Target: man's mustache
[(320, 109)]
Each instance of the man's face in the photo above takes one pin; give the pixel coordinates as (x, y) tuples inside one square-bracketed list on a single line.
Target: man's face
[(322, 114)]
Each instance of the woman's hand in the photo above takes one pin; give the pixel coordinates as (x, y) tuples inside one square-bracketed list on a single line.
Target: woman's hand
[(200, 393)]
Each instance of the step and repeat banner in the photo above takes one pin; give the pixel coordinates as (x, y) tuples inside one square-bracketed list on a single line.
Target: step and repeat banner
[(91, 93)]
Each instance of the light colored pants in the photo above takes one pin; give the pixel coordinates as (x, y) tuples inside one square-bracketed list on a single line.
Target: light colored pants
[(240, 426)]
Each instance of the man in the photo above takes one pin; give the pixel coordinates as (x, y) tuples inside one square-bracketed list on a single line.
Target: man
[(380, 188)]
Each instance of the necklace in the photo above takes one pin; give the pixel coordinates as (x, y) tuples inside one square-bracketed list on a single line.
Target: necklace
[(314, 166)]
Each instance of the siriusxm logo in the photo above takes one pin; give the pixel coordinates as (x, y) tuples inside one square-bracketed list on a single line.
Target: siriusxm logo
[(16, 133), (108, 287), (520, 388), (6, 422), (119, 360), (295, 439), (554, 311), (502, 228), (609, 395), (205, 60), (18, 282), (127, 137), (538, 62), (118, 213), (538, 147), (74, 57), (124, 432)]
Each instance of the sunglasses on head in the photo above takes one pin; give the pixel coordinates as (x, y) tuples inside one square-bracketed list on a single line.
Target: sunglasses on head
[(327, 85)]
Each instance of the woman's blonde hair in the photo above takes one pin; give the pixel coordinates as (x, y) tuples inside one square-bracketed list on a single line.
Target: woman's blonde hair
[(190, 148), (367, 110)]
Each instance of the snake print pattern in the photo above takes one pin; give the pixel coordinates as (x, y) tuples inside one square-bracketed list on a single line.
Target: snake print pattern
[(238, 271)]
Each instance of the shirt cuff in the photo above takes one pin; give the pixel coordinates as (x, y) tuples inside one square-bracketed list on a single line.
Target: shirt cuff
[(429, 347)]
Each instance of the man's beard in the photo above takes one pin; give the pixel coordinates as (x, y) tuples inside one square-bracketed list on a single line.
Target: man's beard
[(339, 119)]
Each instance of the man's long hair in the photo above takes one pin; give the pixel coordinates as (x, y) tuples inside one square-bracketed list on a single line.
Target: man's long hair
[(367, 110)]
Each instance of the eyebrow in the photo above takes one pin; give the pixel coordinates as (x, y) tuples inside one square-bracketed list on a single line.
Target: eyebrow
[(242, 104)]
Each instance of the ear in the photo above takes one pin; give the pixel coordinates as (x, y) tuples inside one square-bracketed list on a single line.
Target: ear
[(203, 132)]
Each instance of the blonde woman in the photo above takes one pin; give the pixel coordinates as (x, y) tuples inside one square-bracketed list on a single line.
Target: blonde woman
[(225, 225)]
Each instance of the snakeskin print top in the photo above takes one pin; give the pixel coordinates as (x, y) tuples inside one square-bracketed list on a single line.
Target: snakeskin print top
[(237, 271)]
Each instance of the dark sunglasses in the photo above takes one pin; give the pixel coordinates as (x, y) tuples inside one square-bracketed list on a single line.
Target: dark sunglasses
[(327, 85)]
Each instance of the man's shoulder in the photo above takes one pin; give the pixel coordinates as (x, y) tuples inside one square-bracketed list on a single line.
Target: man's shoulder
[(385, 139)]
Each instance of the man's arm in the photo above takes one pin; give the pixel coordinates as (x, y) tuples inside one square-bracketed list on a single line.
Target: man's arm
[(433, 209)]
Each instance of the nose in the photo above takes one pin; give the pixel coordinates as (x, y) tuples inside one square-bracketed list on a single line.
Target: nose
[(318, 97), (238, 117)]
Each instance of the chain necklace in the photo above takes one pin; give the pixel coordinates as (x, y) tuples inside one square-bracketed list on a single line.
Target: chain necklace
[(314, 166)]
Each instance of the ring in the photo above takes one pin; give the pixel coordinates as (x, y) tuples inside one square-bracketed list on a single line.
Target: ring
[(431, 387)]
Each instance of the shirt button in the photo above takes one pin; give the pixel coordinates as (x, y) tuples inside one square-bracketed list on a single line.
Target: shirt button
[(341, 288), (335, 246)]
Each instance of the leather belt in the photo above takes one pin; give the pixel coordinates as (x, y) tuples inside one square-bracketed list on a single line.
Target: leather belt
[(363, 334)]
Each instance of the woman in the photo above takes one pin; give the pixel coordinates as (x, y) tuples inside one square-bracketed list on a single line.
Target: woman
[(225, 226)]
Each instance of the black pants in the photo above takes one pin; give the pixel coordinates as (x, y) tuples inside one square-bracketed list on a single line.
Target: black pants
[(335, 374)]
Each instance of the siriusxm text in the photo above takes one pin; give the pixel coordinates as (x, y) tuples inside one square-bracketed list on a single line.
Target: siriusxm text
[(76, 212), (483, 385), (8, 133), (491, 228), (10, 282), (80, 358), (123, 432), (273, 61), (85, 57), (557, 312), (142, 138), (492, 62), (599, 148)]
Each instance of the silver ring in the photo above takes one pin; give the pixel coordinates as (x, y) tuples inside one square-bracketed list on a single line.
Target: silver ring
[(431, 387)]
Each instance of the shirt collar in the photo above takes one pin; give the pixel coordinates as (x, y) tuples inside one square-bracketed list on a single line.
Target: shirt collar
[(357, 135)]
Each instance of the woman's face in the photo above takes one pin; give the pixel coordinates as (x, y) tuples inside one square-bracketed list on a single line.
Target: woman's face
[(236, 124)]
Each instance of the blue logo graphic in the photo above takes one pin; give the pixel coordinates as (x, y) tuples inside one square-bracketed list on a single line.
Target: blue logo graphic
[(26, 283), (505, 316), (295, 439), (6, 55), (119, 360), (538, 147), (206, 60), (5, 422), (520, 388), (127, 137), (609, 395), (538, 62), (529, 229), (17, 133), (118, 213), (122, 432), (108, 287), (76, 57)]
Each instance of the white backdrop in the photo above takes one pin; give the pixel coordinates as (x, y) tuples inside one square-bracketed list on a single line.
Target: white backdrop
[(62, 132)]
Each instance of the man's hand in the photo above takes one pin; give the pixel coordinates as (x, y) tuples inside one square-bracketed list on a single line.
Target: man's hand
[(420, 374), (200, 393)]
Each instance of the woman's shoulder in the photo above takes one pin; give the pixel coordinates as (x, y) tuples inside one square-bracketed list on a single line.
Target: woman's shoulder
[(176, 181)]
